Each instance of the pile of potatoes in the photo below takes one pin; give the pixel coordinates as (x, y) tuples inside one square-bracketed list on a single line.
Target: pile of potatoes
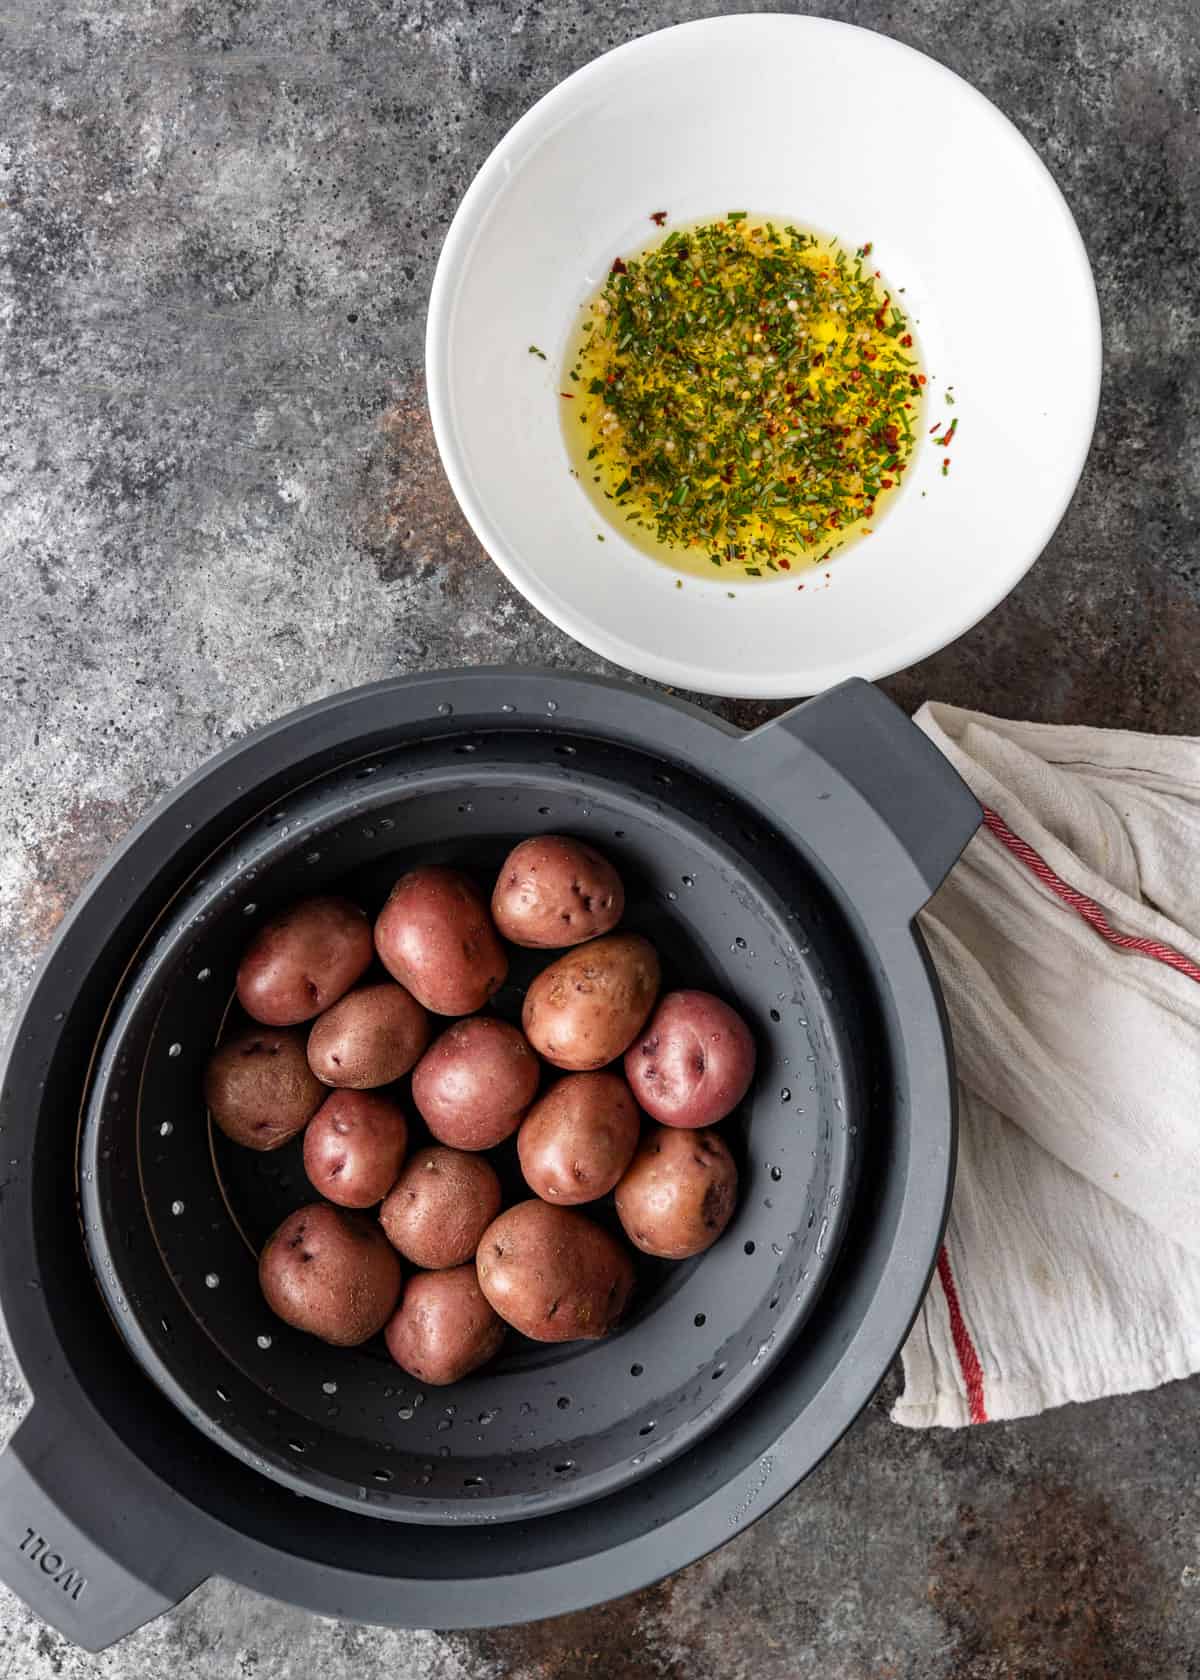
[(331, 1040)]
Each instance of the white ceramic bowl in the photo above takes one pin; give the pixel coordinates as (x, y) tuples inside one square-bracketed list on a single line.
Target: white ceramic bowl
[(842, 130)]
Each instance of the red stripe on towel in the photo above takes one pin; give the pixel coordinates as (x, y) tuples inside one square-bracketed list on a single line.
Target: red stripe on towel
[(1084, 906), (964, 1347)]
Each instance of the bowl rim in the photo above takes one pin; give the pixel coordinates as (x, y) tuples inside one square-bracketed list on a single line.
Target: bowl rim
[(649, 660)]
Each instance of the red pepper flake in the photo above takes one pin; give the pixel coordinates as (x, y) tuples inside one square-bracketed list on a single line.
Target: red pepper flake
[(920, 379), (569, 395), (945, 466), (886, 483), (618, 267), (855, 375), (912, 380), (906, 342), (862, 420), (658, 217), (868, 248), (788, 389), (891, 436), (784, 565), (936, 427), (799, 586), (908, 405), (819, 359)]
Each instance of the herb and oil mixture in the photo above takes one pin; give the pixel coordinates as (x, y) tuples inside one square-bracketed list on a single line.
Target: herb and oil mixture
[(742, 396)]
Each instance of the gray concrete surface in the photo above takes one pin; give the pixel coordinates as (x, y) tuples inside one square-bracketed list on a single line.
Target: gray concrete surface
[(219, 497)]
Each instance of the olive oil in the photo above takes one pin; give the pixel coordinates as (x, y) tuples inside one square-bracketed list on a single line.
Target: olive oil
[(742, 398)]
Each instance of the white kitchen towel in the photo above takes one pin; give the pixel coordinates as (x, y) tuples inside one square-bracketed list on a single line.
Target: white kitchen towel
[(1067, 940)]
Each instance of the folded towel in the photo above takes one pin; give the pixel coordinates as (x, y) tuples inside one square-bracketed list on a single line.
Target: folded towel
[(1067, 940)]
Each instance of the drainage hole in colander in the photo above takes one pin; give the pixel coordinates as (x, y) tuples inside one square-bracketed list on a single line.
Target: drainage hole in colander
[(688, 880), (646, 1428), (748, 1248), (563, 1401), (565, 751), (698, 1320), (775, 1015), (618, 834), (773, 1302), (297, 1446), (566, 1465), (367, 770), (174, 1050), (636, 1370), (211, 1280), (467, 747), (718, 1371), (382, 1475), (776, 1173), (473, 1481), (543, 810)]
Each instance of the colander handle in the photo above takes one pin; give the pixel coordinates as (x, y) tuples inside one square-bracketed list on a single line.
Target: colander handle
[(872, 749), (102, 1571)]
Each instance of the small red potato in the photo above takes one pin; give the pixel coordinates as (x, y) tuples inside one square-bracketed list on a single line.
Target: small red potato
[(259, 1087), (303, 960), (693, 1063), (436, 937), (679, 1193), (373, 1036), (331, 1273), (354, 1147), (552, 1274), (443, 1328), (475, 1082), (553, 891), (575, 1142), (440, 1206)]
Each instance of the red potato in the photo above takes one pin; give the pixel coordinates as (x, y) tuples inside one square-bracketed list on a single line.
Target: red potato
[(575, 1143), (303, 960), (444, 1327), (440, 1206), (679, 1194), (260, 1089), (475, 1082), (552, 1274), (331, 1273), (435, 936), (354, 1147), (371, 1037), (693, 1063), (587, 1008), (553, 891)]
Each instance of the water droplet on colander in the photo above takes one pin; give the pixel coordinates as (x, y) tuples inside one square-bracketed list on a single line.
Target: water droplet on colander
[(362, 1492), (785, 1095), (174, 1050), (638, 1458), (767, 1202), (777, 1173), (424, 1481), (60, 1015), (418, 1399), (443, 1424), (526, 1408), (775, 1248), (552, 705), (313, 857), (264, 1341), (87, 1175), (368, 834), (485, 1417), (204, 974), (688, 880), (451, 1411), (211, 1280), (672, 895), (801, 1022), (443, 1452), (739, 944), (445, 709), (405, 1413), (506, 707), (329, 1387), (388, 1391), (177, 1208), (333, 1411)]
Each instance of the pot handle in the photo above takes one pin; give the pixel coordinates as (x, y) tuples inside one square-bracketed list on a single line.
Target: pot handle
[(927, 811), (101, 1572)]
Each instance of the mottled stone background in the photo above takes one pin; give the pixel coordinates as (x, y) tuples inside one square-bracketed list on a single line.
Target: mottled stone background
[(219, 497)]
